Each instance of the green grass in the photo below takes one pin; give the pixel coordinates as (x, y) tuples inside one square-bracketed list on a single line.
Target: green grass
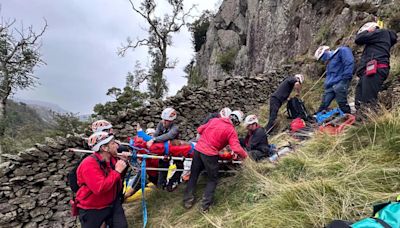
[(328, 178)]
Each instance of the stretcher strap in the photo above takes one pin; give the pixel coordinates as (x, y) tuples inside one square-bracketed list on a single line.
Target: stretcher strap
[(191, 148), (166, 147), (143, 183)]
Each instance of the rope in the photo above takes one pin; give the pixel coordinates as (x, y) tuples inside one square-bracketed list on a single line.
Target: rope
[(313, 85)]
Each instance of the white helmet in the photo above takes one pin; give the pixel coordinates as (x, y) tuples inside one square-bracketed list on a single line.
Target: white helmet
[(150, 131), (168, 114), (250, 119), (97, 139), (225, 112), (101, 125), (320, 52), (300, 77), (236, 117), (368, 26)]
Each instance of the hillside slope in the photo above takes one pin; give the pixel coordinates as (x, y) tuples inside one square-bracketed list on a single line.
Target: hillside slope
[(327, 178)]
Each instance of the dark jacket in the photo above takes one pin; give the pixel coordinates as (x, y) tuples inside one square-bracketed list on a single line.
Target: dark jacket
[(377, 46), (285, 88), (163, 134), (340, 67), (257, 140)]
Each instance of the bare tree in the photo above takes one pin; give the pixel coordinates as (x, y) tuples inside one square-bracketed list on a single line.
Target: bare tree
[(19, 54), (159, 39)]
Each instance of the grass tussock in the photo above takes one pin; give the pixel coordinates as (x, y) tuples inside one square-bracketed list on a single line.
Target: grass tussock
[(328, 178)]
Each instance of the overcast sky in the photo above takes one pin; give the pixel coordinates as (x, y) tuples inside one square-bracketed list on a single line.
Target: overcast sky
[(80, 48)]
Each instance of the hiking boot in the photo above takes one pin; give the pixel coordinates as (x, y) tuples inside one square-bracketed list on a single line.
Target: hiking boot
[(188, 203), (172, 187), (205, 209)]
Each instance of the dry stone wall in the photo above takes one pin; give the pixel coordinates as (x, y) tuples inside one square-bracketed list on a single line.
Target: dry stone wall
[(193, 105), (33, 184), (33, 187)]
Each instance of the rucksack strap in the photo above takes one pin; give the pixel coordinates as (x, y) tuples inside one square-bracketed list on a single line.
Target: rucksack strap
[(383, 223)]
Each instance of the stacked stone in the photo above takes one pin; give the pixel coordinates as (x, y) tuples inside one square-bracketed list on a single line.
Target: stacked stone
[(193, 105), (33, 186)]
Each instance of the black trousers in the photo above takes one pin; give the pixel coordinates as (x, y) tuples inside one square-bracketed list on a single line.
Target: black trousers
[(274, 105), (162, 176), (257, 155), (368, 88), (210, 164), (113, 216)]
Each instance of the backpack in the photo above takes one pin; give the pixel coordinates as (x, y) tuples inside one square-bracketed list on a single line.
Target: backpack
[(326, 116), (385, 215), (296, 108), (72, 177)]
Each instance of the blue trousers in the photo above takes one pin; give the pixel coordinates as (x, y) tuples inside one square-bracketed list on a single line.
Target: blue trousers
[(339, 92)]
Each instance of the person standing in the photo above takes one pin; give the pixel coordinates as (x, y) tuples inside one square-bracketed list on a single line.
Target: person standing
[(339, 72), (215, 135), (280, 96), (374, 65)]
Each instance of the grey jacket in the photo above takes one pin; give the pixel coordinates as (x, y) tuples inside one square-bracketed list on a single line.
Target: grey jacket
[(163, 134)]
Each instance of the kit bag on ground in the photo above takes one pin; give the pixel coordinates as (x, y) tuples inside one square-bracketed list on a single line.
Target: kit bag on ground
[(296, 108), (385, 215), (326, 116)]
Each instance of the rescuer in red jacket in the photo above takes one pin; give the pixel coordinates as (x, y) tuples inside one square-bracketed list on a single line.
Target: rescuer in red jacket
[(100, 184), (214, 136)]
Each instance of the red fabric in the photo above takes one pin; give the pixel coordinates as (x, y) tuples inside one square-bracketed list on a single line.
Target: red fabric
[(335, 130), (159, 148), (382, 65), (297, 124), (215, 135), (152, 163), (97, 190), (225, 155)]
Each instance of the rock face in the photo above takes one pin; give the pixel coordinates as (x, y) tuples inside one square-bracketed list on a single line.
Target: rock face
[(267, 34)]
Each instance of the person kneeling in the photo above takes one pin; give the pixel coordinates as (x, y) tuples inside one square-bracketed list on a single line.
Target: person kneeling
[(256, 141)]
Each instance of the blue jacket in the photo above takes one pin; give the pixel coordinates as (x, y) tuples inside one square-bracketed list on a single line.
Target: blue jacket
[(340, 67)]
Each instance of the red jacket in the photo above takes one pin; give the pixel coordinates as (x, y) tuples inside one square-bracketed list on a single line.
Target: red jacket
[(97, 190), (217, 134)]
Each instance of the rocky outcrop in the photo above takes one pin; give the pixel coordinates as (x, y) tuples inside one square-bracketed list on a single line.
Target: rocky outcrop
[(267, 34)]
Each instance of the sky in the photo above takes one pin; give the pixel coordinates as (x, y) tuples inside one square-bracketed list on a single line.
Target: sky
[(80, 47)]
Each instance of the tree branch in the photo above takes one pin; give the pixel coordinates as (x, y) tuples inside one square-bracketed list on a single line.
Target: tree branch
[(143, 42)]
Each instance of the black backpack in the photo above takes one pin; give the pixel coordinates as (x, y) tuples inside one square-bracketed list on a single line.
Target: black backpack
[(296, 108), (72, 177)]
